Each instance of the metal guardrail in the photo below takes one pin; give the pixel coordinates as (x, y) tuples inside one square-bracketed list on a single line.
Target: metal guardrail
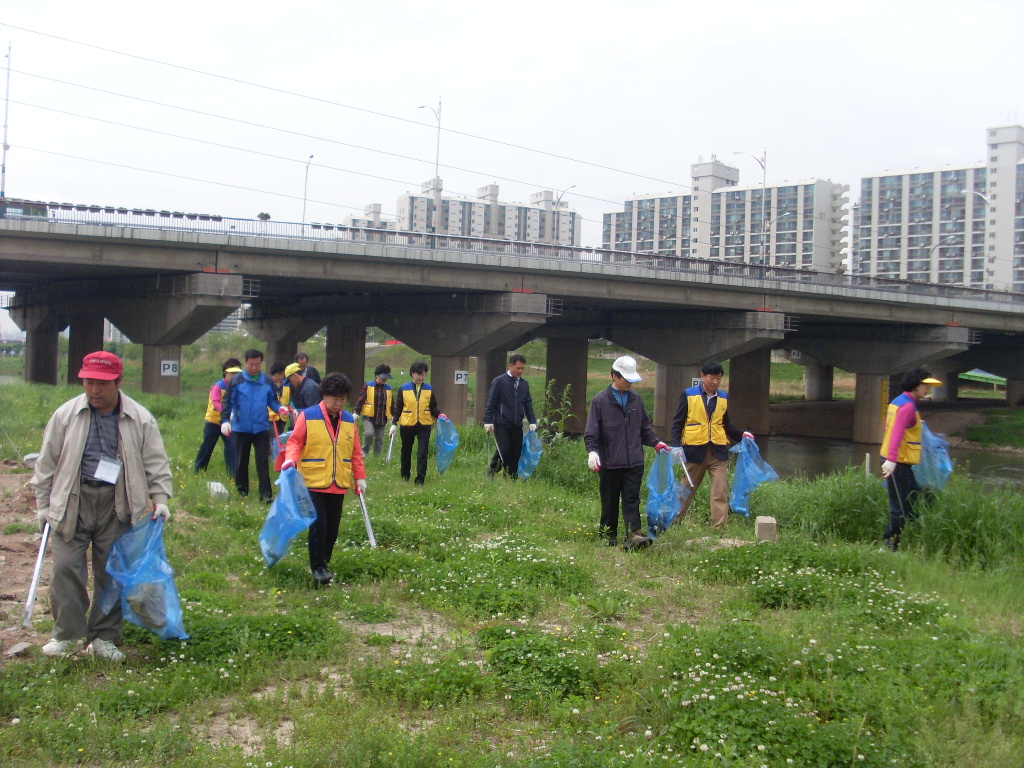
[(107, 216)]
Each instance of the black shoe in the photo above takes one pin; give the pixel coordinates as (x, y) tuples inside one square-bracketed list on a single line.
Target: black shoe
[(322, 576), (418, 481), (613, 542), (637, 541)]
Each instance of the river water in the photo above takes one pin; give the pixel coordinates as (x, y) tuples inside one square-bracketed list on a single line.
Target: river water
[(814, 456)]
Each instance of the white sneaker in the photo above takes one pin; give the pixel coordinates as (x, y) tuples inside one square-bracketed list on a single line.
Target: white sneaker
[(105, 649), (62, 647)]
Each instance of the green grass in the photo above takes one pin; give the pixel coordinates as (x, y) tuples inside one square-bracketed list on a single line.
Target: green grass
[(494, 628), (1004, 426)]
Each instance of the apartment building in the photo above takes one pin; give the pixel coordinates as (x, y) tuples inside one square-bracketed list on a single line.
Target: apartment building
[(796, 224), (546, 219), (961, 225)]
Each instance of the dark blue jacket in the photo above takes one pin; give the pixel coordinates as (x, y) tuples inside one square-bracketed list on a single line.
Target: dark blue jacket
[(505, 406), (618, 434)]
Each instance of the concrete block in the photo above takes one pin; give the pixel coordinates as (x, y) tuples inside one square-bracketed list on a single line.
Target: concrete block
[(217, 491), (767, 528)]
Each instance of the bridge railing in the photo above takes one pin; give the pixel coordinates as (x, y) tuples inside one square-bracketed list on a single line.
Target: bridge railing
[(109, 216)]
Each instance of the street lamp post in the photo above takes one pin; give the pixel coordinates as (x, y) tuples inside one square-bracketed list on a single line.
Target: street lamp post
[(991, 259), (763, 162), (437, 159), (305, 187), (555, 235), (767, 231)]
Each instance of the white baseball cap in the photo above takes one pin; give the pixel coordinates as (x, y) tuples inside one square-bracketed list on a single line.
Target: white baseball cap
[(625, 366)]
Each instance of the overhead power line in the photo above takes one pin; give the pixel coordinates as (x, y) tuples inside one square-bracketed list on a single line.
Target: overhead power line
[(344, 106), (294, 133)]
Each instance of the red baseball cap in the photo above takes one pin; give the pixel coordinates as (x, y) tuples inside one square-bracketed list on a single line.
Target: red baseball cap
[(101, 365)]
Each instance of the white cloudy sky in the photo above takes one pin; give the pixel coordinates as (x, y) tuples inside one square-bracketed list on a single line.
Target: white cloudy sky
[(645, 88)]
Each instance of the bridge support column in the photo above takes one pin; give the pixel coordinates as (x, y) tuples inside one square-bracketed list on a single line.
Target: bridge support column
[(86, 335), (158, 362), (567, 366), (669, 383), (488, 365), (1014, 392), (869, 407), (346, 353), (818, 382), (949, 375), (452, 398), (42, 323), (282, 336), (749, 390)]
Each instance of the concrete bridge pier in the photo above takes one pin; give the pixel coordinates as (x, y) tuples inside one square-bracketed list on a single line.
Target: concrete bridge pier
[(282, 335), (567, 367), (948, 372), (876, 353), (346, 353), (42, 324), (85, 336), (1014, 392), (459, 327), (818, 382), (686, 340), (168, 312), (488, 365)]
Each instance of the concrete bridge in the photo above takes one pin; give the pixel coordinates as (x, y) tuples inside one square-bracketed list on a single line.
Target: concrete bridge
[(165, 278)]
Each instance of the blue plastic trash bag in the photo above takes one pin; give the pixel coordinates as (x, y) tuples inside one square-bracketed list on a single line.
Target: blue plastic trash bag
[(663, 503), (533, 449), (445, 443), (291, 513), (936, 466), (751, 471), (143, 580)]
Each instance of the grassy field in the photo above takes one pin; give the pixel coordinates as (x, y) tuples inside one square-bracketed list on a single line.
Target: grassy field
[(494, 628)]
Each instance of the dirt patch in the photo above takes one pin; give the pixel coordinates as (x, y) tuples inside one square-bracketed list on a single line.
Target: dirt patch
[(19, 545)]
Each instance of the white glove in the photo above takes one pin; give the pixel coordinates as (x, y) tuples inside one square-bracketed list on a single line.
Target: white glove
[(888, 467), (392, 429), (161, 510), (225, 429), (288, 465), (41, 516), (533, 427), (594, 461), (749, 434), (488, 428), (360, 487)]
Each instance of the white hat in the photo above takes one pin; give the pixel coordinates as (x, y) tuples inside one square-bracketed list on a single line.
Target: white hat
[(626, 367)]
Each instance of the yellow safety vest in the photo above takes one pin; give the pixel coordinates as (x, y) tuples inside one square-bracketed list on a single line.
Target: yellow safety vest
[(327, 459), (910, 446), (212, 414), (415, 411), (697, 430), (371, 392)]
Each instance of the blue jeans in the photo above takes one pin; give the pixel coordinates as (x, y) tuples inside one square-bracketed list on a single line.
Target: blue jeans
[(210, 434)]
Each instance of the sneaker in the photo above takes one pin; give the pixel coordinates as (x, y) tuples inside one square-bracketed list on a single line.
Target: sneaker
[(62, 647), (105, 649), (637, 541)]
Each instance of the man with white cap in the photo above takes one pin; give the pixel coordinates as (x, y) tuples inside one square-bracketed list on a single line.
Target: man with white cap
[(101, 468), (901, 449), (702, 427), (617, 430)]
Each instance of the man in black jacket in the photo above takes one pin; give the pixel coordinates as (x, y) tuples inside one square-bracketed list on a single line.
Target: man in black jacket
[(304, 391), (617, 430), (508, 403)]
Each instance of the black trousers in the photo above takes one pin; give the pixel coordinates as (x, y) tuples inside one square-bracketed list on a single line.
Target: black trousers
[(420, 433), (323, 534), (243, 442), (509, 438), (624, 485), (903, 491), (211, 434)]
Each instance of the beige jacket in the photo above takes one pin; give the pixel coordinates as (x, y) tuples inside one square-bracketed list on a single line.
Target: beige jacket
[(145, 475)]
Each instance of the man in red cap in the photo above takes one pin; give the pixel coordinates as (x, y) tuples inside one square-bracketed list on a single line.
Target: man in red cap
[(101, 465)]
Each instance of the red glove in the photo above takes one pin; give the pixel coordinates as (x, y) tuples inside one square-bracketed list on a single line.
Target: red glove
[(288, 465), (661, 448), (441, 416)]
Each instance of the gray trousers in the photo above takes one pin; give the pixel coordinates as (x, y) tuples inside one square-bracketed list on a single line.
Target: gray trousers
[(373, 435), (69, 596)]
